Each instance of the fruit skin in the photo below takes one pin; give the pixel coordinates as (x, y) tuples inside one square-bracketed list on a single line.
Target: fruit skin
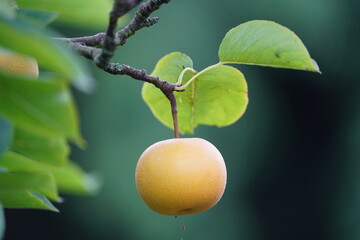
[(181, 176), (14, 63)]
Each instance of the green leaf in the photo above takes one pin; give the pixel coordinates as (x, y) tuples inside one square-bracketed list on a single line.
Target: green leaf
[(167, 69), (84, 13), (35, 182), (72, 179), (265, 43), (217, 97), (2, 222), (26, 39), (42, 107), (7, 10), (35, 17), (26, 199), (48, 149), (69, 177), (170, 66), (5, 134)]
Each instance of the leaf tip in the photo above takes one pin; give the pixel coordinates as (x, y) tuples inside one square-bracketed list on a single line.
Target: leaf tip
[(316, 66), (47, 204), (84, 83), (80, 142), (92, 183)]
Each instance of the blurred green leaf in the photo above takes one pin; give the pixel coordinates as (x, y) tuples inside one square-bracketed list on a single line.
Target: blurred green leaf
[(34, 182), (42, 107), (69, 177), (26, 199), (217, 97), (72, 179), (265, 43), (2, 222), (170, 66), (48, 149), (36, 17), (24, 38), (5, 134), (85, 13), (7, 10)]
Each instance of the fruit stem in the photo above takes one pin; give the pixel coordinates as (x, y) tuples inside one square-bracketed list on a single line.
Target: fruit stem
[(174, 112), (168, 90)]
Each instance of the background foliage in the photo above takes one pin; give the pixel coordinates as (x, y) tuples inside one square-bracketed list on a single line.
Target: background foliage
[(293, 159), (38, 115)]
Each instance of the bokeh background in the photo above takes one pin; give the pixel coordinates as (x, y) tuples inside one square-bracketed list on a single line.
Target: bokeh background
[(293, 159)]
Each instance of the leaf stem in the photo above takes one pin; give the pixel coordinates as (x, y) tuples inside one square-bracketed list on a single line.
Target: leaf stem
[(183, 87), (180, 78)]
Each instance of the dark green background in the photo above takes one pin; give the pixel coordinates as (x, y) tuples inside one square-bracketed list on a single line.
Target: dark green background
[(293, 159)]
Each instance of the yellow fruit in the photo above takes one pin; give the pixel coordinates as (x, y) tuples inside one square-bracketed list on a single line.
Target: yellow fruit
[(18, 64), (181, 176)]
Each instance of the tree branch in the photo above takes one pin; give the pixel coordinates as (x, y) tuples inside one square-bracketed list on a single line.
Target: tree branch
[(120, 8), (89, 46), (101, 47), (140, 19), (85, 51), (98, 39), (166, 88), (110, 40)]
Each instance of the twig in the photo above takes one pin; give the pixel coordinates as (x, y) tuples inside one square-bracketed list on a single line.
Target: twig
[(166, 88), (101, 47), (138, 21), (85, 51), (110, 40), (141, 19), (120, 8)]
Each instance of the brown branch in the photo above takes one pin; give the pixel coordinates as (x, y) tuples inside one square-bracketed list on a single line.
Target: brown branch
[(166, 88), (120, 8), (141, 19), (110, 40), (101, 47), (98, 39)]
